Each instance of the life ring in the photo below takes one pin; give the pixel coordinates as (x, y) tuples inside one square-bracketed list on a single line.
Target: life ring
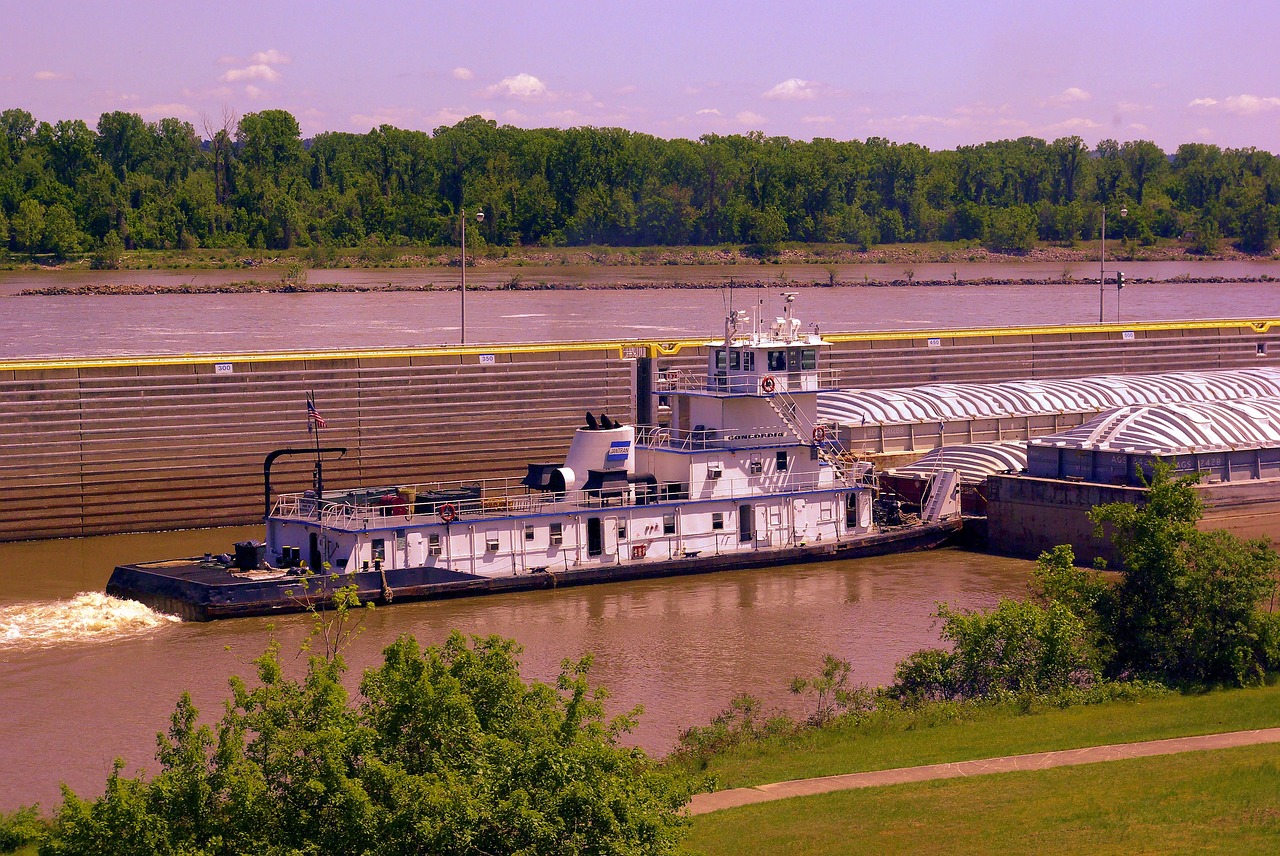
[(768, 384), (447, 512), (819, 434)]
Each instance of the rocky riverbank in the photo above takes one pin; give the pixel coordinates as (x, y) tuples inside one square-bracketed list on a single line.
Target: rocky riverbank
[(278, 287)]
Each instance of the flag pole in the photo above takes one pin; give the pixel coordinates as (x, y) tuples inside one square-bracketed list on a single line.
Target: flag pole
[(313, 423)]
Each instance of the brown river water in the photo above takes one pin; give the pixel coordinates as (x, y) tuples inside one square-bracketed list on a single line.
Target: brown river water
[(84, 679), (52, 326)]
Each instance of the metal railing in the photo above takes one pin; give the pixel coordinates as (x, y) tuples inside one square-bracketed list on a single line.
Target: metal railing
[(509, 498), (806, 380)]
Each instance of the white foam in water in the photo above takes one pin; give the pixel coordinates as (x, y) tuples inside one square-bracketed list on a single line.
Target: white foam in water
[(87, 617)]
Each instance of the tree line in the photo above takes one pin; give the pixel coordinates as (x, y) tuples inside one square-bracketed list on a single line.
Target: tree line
[(254, 182)]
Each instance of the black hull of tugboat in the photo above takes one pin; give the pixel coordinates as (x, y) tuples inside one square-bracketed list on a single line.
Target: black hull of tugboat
[(196, 592)]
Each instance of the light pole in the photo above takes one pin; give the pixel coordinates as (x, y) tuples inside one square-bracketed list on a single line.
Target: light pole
[(479, 219), (1102, 264)]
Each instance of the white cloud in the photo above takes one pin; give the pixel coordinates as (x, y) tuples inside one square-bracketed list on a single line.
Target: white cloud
[(1073, 125), (254, 92), (399, 117), (818, 120), (629, 89), (271, 57), (461, 73), (708, 111), (51, 75), (1240, 105), (1251, 105), (174, 110), (747, 117), (521, 86), (1070, 95), (260, 71), (794, 89)]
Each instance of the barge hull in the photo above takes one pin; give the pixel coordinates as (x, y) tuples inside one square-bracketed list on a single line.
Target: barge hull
[(191, 590)]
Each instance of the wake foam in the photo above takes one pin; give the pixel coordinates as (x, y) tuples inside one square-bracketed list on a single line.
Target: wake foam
[(87, 617)]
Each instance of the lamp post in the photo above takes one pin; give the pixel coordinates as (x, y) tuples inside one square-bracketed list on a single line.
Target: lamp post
[(479, 219), (1102, 262)]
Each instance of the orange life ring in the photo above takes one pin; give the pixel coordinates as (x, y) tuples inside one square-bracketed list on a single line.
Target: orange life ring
[(819, 434), (447, 512), (768, 384)]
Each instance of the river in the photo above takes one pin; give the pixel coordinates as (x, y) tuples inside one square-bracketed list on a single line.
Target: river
[(71, 325), (85, 679)]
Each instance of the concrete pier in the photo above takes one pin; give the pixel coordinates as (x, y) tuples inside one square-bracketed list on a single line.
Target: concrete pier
[(143, 444)]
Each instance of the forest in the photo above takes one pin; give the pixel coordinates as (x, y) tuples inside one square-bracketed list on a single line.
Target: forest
[(254, 182)]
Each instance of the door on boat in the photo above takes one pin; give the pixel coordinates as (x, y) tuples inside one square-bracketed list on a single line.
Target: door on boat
[(595, 537), (746, 524)]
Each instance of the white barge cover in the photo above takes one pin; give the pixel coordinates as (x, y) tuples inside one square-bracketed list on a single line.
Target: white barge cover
[(950, 402), (1176, 429), (974, 461)]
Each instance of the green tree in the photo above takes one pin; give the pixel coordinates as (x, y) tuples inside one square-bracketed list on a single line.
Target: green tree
[(450, 752), (1188, 607), (28, 226), (61, 237), (1020, 648)]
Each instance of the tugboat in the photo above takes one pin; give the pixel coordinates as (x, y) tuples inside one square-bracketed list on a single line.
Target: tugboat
[(743, 475)]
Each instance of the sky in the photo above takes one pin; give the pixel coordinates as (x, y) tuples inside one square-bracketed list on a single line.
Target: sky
[(941, 74)]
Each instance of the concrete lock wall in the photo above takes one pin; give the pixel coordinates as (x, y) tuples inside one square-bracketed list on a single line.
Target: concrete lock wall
[(1026, 515), (98, 446)]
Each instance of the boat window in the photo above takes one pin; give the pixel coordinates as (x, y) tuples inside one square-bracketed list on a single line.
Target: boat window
[(668, 524), (777, 361), (735, 360), (749, 361), (756, 467), (717, 520), (557, 534), (720, 363), (622, 529), (528, 532), (809, 358), (491, 542), (433, 545), (379, 549), (782, 462)]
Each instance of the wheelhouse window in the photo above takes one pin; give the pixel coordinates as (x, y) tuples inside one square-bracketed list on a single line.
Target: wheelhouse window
[(809, 358), (735, 360), (777, 361), (720, 359)]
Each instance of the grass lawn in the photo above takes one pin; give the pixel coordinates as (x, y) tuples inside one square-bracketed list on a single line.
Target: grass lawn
[(991, 733), (1225, 801)]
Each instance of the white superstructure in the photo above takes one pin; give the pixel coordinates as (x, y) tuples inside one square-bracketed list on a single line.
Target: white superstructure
[(744, 466)]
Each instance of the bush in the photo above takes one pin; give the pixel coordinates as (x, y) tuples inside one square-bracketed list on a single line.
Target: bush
[(451, 752)]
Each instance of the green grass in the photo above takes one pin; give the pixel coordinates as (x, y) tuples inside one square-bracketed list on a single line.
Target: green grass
[(900, 742), (1225, 801)]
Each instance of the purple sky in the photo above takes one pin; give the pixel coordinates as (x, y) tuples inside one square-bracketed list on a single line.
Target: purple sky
[(942, 74)]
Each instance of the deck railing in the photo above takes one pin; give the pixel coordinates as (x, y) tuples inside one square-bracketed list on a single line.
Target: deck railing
[(508, 497)]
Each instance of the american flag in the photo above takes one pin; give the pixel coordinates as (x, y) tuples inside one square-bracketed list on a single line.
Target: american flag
[(313, 416)]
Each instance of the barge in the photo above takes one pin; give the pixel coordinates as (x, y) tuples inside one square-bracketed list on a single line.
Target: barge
[(742, 475)]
